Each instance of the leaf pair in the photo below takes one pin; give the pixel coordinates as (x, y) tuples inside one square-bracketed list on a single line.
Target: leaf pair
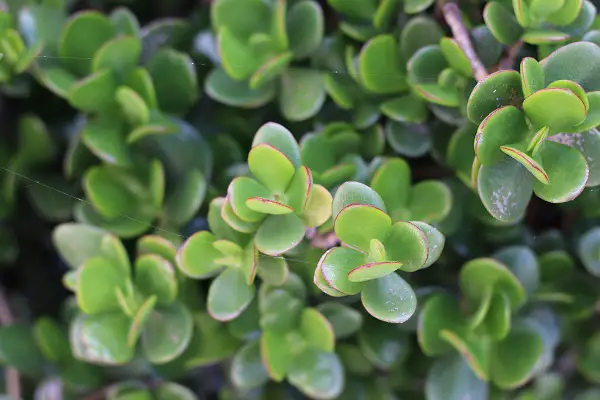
[(138, 390), (538, 22), (374, 249), (117, 309), (428, 201), (281, 201), (555, 172), (256, 51), (17, 56), (297, 344), (439, 73), (488, 336)]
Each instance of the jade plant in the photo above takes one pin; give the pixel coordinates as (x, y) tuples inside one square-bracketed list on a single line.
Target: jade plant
[(280, 202), (538, 22), (290, 199), (374, 248), (519, 142)]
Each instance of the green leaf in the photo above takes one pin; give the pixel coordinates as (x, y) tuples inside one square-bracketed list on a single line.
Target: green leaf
[(435, 242), (120, 55), (317, 330), (139, 320), (497, 320), (335, 265), (305, 28), (229, 295), (514, 359), (247, 370), (532, 164), (407, 244), (379, 66), (238, 58), (576, 62), (58, 80), (177, 94), (382, 344), (344, 320), (409, 109), (318, 375), (271, 167), (566, 183), (502, 22), (430, 201), (224, 89), (197, 256), (355, 193), (587, 362), (539, 109), (125, 22), (239, 191), (52, 339), (356, 225), (318, 207), (77, 243), (299, 189), (105, 138), (272, 270), (155, 276), (592, 119), (270, 69), (279, 137), (133, 106), (451, 378), (140, 81), (97, 281), (426, 64), (473, 350), (279, 233), (101, 338), (392, 182), (588, 250), (173, 391), (419, 31), (276, 354), (523, 263), (167, 333), (437, 94), (439, 312), (94, 93), (417, 6), (390, 299), (502, 126), (187, 197), (479, 275), (19, 350), (81, 37), (243, 18), (280, 309), (498, 89), (505, 189), (456, 56), (302, 94)]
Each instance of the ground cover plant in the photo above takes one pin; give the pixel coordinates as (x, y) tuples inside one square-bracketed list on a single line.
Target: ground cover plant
[(299, 199)]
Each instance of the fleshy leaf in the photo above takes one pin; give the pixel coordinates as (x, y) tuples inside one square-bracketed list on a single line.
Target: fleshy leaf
[(357, 224), (502, 126), (101, 338), (440, 312), (540, 109), (589, 251), (390, 299), (505, 189), (499, 89), (356, 193), (317, 330), (279, 234), (96, 283), (345, 320), (480, 274), (247, 370), (407, 244), (229, 295), (155, 276), (392, 182), (167, 333), (566, 183), (197, 256), (318, 375), (302, 94), (451, 378), (275, 355), (576, 62), (430, 201), (335, 265), (239, 191), (77, 243), (379, 66)]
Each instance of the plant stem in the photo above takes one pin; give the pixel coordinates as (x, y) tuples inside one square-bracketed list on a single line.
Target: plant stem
[(461, 35), (11, 375), (509, 60)]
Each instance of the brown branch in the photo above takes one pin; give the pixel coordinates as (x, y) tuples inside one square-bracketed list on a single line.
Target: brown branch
[(461, 35), (322, 240), (11, 375)]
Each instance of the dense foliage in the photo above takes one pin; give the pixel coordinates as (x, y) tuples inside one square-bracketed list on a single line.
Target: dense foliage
[(285, 199)]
